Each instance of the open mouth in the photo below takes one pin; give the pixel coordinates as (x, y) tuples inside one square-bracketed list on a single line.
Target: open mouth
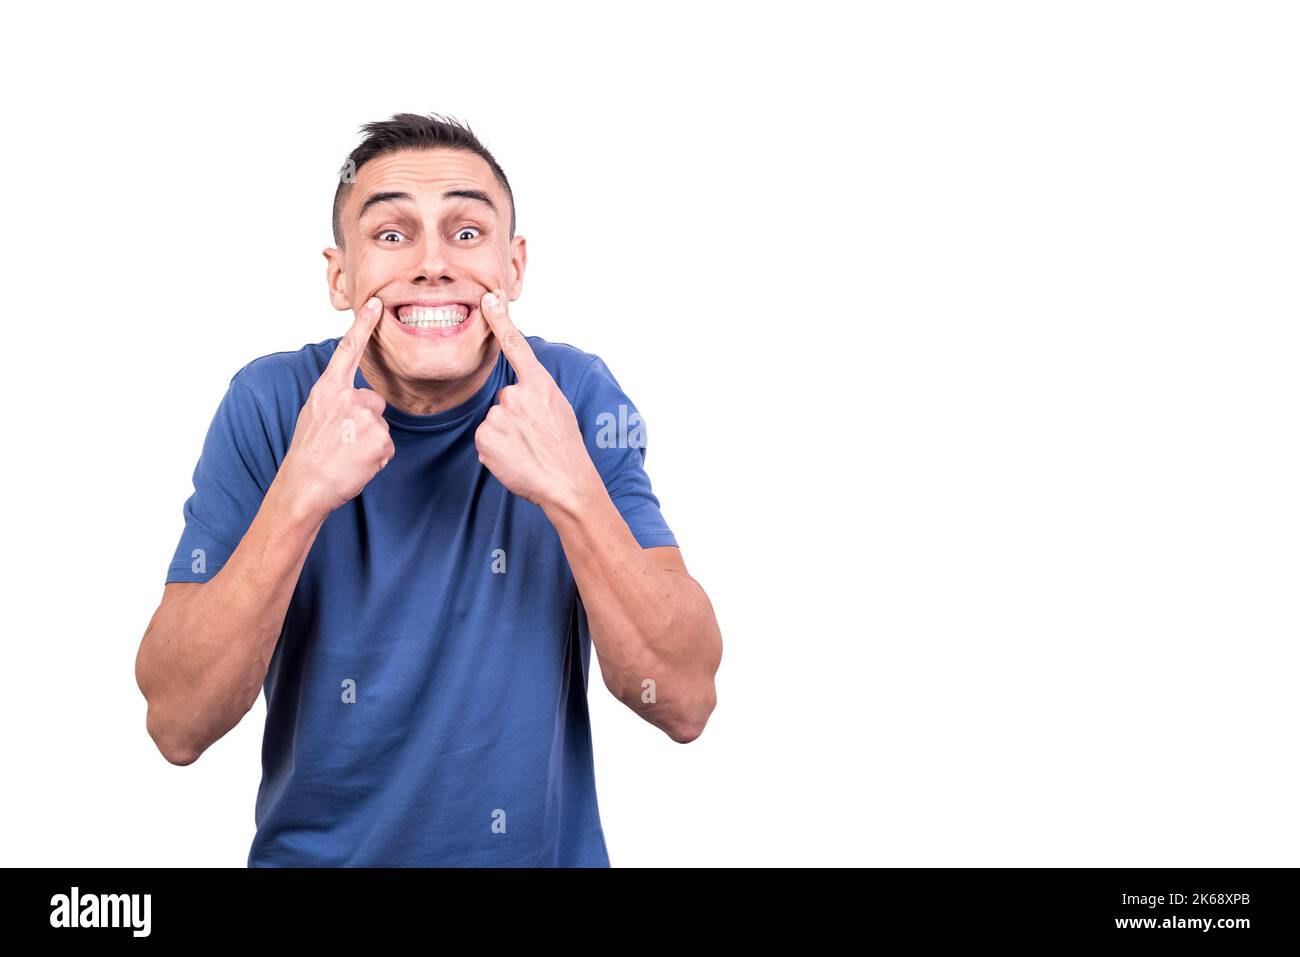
[(433, 319), (443, 316)]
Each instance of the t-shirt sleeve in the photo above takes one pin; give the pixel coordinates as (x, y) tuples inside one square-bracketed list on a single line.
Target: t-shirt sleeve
[(234, 471), (615, 436)]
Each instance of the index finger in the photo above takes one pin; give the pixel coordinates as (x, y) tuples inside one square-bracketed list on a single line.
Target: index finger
[(518, 352), (343, 365)]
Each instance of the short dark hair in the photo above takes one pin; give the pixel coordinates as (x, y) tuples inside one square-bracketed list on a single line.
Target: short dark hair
[(407, 131)]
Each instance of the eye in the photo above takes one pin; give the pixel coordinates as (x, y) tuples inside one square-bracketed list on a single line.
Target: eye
[(388, 232), (467, 229)]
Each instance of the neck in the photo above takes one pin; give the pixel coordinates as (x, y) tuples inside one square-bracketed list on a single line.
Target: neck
[(424, 396)]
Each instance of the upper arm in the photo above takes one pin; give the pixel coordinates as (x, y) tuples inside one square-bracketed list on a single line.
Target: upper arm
[(173, 590), (238, 462), (614, 434), (667, 557)]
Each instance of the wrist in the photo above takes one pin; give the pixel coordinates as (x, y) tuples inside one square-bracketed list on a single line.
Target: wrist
[(577, 498), (293, 507)]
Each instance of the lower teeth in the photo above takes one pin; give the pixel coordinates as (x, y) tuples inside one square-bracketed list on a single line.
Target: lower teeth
[(438, 323)]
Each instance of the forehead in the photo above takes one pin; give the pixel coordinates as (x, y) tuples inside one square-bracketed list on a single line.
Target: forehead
[(426, 174)]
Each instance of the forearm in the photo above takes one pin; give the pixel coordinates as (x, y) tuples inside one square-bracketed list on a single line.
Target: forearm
[(206, 652), (656, 637)]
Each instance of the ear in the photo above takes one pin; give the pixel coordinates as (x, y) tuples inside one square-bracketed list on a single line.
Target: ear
[(336, 277), (518, 262)]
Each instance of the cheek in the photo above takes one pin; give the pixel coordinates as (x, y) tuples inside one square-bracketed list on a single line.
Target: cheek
[(373, 271), (487, 268)]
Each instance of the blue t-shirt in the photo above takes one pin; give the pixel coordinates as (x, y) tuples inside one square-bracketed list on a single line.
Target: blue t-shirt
[(427, 697)]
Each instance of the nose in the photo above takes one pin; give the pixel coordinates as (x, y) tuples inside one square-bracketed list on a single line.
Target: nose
[(432, 263)]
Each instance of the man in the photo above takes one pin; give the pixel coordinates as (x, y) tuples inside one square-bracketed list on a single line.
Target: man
[(411, 537)]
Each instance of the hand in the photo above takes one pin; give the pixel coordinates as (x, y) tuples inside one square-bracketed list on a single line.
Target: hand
[(341, 440), (530, 439)]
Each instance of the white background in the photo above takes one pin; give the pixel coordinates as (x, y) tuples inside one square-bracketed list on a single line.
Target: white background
[(965, 335)]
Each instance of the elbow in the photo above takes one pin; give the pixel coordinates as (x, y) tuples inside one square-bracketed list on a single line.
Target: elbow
[(687, 664), (181, 758), (171, 744), (687, 732), (690, 721), (690, 728), (159, 732), (687, 735), (692, 725), (177, 752)]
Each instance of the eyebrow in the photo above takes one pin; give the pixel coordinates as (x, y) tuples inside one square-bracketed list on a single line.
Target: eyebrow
[(473, 194)]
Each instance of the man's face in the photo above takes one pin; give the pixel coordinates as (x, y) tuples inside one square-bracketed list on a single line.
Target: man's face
[(413, 242)]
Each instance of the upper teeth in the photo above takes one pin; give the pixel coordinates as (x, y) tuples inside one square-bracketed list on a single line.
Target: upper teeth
[(433, 316)]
